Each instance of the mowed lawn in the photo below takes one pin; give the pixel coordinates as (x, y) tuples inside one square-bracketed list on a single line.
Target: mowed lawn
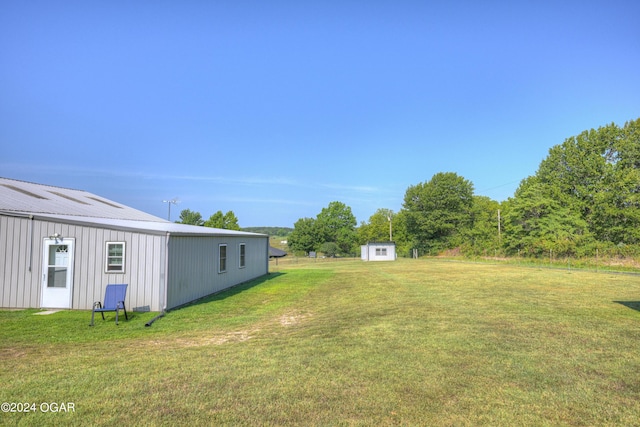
[(412, 342)]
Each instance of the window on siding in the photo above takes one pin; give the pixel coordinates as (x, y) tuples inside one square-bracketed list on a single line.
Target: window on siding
[(242, 251), (222, 264), (115, 257), (381, 251)]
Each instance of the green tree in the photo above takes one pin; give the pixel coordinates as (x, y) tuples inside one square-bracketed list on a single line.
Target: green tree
[(438, 212), (403, 242), (230, 221), (227, 221), (536, 223), (336, 223), (484, 233), (616, 208), (216, 220), (378, 228), (304, 237), (329, 249), (597, 175), (189, 217)]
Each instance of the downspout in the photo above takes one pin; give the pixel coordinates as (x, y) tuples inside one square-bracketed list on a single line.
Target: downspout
[(166, 272), (30, 233), (166, 282)]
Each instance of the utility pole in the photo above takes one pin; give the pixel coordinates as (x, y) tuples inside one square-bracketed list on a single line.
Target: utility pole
[(499, 227), (390, 233), (173, 201)]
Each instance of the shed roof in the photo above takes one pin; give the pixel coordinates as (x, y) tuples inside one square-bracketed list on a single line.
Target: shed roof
[(65, 205), (276, 253)]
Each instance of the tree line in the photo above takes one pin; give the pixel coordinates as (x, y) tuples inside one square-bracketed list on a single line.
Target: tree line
[(271, 231), (583, 199), (228, 221)]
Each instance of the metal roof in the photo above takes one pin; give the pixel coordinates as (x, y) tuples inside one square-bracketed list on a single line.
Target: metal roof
[(28, 197), (81, 207)]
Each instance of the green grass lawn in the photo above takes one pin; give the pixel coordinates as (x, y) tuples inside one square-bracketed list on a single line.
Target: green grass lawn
[(412, 342)]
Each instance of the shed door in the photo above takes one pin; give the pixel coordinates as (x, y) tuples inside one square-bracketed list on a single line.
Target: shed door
[(57, 273)]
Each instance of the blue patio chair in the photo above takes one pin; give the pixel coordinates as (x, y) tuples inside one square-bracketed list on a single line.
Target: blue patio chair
[(113, 301)]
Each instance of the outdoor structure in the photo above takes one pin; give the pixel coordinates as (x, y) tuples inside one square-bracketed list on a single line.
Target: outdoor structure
[(276, 253), (60, 248), (378, 251)]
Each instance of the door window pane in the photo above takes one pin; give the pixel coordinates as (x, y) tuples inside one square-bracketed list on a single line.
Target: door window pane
[(58, 265), (57, 277)]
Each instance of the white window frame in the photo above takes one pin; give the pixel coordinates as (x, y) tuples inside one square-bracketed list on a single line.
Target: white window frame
[(242, 255), (381, 251), (108, 257), (222, 260)]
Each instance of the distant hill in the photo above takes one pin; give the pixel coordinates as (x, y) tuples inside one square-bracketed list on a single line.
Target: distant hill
[(271, 231)]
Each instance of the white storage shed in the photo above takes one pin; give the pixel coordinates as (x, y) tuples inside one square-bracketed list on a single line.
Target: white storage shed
[(378, 251)]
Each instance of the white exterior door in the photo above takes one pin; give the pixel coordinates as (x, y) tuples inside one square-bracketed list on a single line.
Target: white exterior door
[(57, 273)]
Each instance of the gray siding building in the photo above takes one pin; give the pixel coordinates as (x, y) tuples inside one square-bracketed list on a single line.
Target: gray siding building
[(59, 248)]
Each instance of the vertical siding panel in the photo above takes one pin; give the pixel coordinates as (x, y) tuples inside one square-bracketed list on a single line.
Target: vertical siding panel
[(22, 295), (159, 273), (151, 266), (80, 268), (5, 271), (94, 284), (144, 255), (9, 282), (131, 269), (16, 249), (77, 233), (143, 278), (3, 257), (133, 255), (140, 279), (138, 255), (36, 276), (18, 264), (89, 243), (130, 276), (7, 291), (100, 279), (152, 271), (14, 291)]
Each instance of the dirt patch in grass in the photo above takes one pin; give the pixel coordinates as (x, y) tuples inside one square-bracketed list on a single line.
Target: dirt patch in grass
[(292, 319), (12, 353), (200, 341)]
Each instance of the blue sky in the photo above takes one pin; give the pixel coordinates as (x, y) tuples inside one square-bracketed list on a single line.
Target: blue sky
[(275, 109)]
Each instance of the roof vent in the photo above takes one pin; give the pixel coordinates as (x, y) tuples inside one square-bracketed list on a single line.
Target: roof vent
[(66, 196), (105, 202), (23, 191)]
